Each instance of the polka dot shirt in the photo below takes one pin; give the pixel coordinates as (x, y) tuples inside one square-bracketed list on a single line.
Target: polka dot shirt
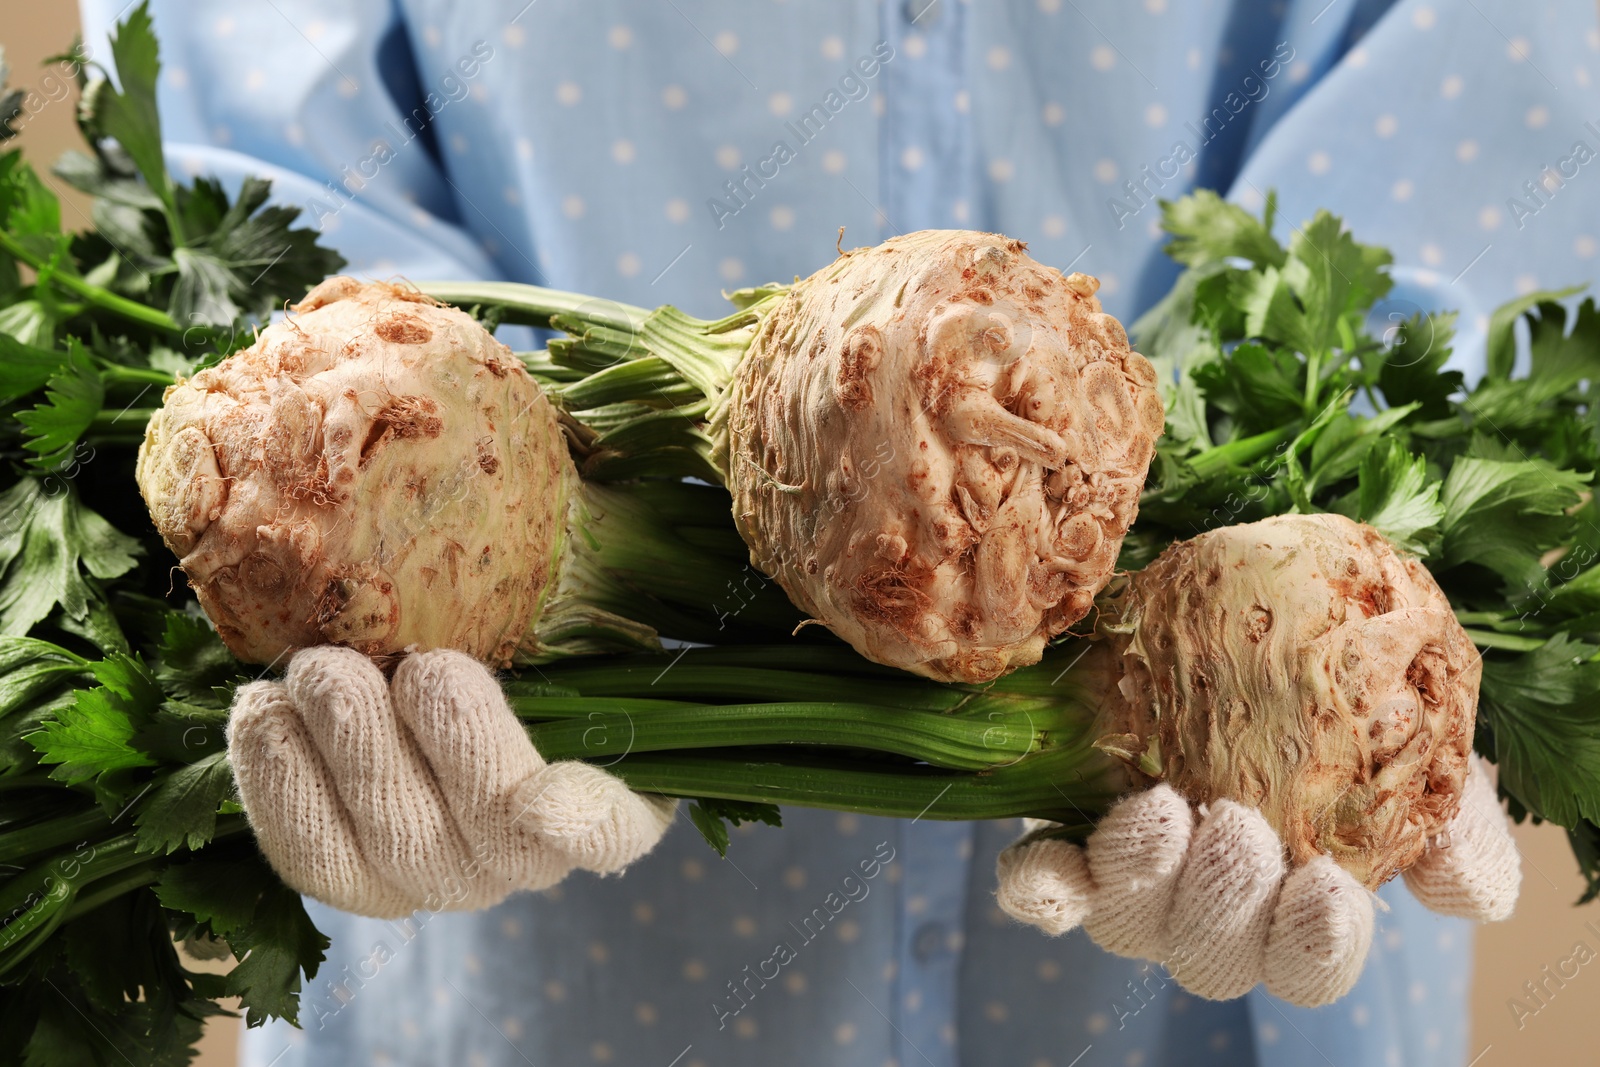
[(659, 153)]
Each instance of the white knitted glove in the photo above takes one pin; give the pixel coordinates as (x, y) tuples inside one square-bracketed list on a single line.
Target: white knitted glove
[(382, 798), (1212, 900)]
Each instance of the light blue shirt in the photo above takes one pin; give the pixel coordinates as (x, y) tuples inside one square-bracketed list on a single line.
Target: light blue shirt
[(660, 151)]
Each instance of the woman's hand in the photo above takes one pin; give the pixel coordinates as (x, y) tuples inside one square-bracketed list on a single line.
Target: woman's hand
[(1209, 895), (381, 798)]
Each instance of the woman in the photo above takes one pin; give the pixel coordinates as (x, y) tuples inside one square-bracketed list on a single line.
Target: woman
[(659, 152)]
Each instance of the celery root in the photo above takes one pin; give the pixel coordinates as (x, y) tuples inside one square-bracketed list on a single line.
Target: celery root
[(378, 471), (1301, 666)]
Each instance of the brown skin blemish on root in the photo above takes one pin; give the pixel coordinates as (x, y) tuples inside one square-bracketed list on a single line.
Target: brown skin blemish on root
[(863, 348), (412, 417), (1366, 596), (894, 594), (967, 621), (317, 489), (335, 596), (1258, 620), (488, 462), (402, 418), (400, 329)]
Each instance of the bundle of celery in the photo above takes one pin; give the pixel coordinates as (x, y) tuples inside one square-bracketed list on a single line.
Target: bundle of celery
[(1278, 400)]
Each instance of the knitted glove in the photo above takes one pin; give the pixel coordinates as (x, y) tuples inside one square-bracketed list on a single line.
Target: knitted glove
[(1212, 900), (382, 798)]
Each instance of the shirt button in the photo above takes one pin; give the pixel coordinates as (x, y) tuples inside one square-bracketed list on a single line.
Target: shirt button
[(928, 940), (923, 13)]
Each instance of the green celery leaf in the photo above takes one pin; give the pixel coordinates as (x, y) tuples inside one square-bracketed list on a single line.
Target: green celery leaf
[(269, 258), (739, 812), (1175, 344), (107, 951), (46, 541), (1186, 412), (1167, 334), (1333, 276), (59, 1038), (1397, 498), (1558, 362), (1581, 595), (1505, 514), (1511, 406), (1258, 386), (30, 215), (181, 812), (16, 753), (30, 322), (247, 256), (711, 817), (128, 679), (128, 113), (1205, 228), (29, 211), (1502, 327), (159, 1035), (711, 827), (204, 204), (29, 667), (98, 626), (193, 664), (237, 897), (1560, 357), (132, 232), (220, 890), (277, 945), (1340, 448), (1271, 310), (204, 291), (72, 400), (94, 734), (86, 174), (1585, 841), (1215, 310), (1540, 728), (1294, 472), (181, 733), (123, 980), (25, 368), (1412, 368), (166, 359)]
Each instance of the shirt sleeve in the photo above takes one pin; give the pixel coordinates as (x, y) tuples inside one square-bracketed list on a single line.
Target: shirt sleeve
[(322, 98), (1456, 136)]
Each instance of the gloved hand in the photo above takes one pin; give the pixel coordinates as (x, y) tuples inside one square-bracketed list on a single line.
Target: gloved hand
[(382, 798), (1211, 898)]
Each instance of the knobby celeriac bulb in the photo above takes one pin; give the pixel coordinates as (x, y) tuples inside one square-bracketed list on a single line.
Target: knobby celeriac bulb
[(375, 471), (936, 446), (1301, 666)]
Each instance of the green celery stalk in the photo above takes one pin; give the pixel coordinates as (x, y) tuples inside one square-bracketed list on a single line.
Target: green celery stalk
[(950, 741)]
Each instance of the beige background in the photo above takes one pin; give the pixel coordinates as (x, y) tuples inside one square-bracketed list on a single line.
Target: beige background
[(1543, 933)]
